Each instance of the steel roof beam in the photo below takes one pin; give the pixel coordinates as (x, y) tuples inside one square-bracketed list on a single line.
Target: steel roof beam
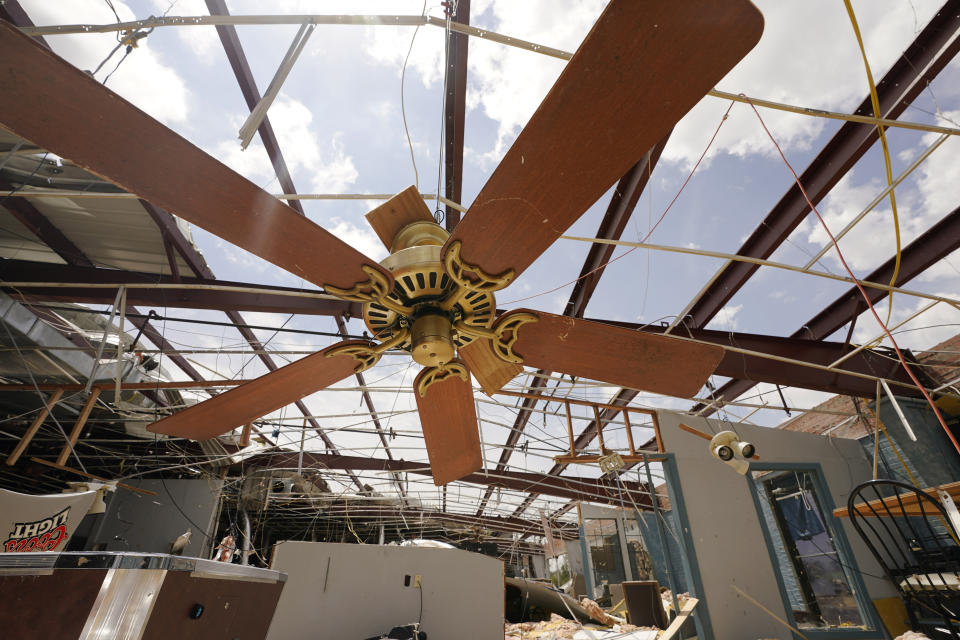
[(922, 61), (455, 109), (937, 242), (734, 364), (586, 489), (622, 204), (198, 265), (248, 297), (248, 86)]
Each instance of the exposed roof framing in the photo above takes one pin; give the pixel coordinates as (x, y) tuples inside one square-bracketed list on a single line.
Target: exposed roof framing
[(618, 213), (196, 293), (497, 523), (622, 203), (41, 227), (238, 61), (455, 109), (937, 242), (568, 487), (50, 235), (200, 268), (934, 47), (794, 361)]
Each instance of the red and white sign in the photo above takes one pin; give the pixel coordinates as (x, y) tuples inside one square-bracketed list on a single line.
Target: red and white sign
[(40, 523)]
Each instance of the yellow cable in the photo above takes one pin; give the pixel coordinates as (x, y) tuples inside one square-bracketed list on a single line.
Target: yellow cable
[(886, 151), (346, 507)]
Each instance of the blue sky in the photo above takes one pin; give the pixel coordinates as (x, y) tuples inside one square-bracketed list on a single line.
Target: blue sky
[(338, 118)]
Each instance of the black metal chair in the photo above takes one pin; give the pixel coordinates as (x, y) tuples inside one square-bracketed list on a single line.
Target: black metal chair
[(911, 536)]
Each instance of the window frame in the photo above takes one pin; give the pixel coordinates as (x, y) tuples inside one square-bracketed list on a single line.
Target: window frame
[(850, 567)]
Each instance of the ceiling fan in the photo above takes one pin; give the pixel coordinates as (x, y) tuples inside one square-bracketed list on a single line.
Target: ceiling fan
[(643, 65)]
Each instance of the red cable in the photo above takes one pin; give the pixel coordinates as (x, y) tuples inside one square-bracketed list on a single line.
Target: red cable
[(652, 229), (833, 240)]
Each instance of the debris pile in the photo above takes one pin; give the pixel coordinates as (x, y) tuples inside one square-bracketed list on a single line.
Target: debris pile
[(555, 628), (597, 613), (560, 628)]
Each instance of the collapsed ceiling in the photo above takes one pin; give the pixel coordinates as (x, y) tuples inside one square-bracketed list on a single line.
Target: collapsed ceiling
[(73, 243)]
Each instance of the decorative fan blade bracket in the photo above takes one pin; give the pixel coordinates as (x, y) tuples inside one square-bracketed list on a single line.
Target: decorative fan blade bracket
[(503, 335), (457, 269), (454, 368), (377, 288), (369, 354)]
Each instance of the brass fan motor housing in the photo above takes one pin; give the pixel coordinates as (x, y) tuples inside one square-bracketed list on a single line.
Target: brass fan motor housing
[(422, 284), (432, 344)]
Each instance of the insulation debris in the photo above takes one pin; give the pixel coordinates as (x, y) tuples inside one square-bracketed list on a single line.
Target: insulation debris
[(560, 628), (598, 613)]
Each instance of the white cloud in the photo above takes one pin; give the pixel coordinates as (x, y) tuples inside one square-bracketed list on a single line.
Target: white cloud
[(507, 83), (726, 318), (389, 46), (203, 41), (337, 174), (930, 328), (798, 38), (330, 168), (143, 78), (923, 199), (939, 181), (360, 238)]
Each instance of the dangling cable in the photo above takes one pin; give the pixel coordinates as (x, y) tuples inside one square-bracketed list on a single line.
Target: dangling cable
[(450, 8), (856, 282), (663, 215), (403, 110)]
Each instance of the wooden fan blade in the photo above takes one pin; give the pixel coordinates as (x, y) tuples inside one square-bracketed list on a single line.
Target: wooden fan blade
[(60, 108), (449, 421), (606, 353), (397, 212), (644, 64), (256, 398), (490, 371)]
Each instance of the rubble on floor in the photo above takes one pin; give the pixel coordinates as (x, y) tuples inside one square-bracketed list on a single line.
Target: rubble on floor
[(599, 614), (560, 628)]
